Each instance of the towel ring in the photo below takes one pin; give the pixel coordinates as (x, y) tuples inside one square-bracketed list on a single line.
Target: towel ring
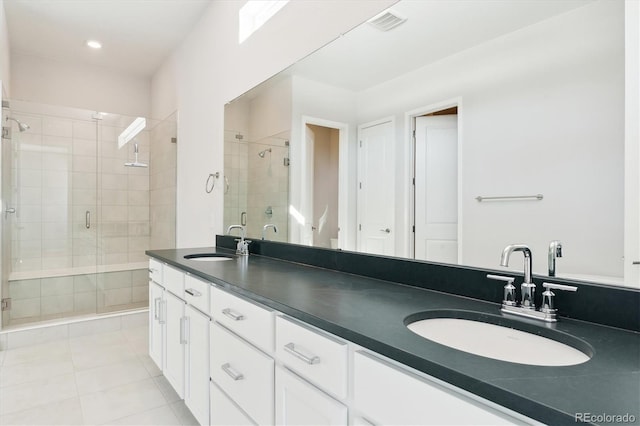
[(211, 179)]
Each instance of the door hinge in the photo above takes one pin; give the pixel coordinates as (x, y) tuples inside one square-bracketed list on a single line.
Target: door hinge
[(360, 185), (414, 229), (414, 181), (6, 133), (359, 227), (5, 304), (360, 144), (414, 134)]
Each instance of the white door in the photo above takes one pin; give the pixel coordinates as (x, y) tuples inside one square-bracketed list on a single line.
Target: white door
[(156, 324), (376, 180), (174, 354), (299, 403), (436, 188), (197, 389)]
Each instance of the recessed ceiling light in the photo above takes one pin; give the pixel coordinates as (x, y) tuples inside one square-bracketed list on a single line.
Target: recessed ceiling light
[(94, 44)]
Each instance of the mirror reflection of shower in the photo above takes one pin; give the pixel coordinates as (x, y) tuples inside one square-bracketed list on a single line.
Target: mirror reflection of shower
[(23, 127)]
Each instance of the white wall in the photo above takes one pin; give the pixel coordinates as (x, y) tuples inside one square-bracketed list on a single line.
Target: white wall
[(54, 82), (210, 68), (5, 71), (546, 119)]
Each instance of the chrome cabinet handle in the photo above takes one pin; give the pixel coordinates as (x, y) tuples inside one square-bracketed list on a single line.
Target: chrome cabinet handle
[(156, 308), (231, 372), (193, 292), (291, 348), (87, 219), (163, 312), (387, 230), (236, 316), (183, 330)]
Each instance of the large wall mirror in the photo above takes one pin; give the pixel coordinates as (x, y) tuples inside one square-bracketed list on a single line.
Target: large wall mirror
[(469, 126)]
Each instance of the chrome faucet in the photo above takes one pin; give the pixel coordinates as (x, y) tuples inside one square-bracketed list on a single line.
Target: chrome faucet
[(555, 251), (527, 307), (528, 287), (242, 248), (267, 226)]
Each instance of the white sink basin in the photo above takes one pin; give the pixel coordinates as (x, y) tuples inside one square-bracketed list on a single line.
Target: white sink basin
[(208, 257), (497, 342)]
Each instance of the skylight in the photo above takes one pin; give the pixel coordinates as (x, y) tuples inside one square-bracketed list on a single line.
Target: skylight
[(254, 14)]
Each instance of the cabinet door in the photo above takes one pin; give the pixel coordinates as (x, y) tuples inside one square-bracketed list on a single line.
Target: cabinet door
[(244, 373), (299, 403), (156, 324), (224, 412), (175, 342), (197, 384)]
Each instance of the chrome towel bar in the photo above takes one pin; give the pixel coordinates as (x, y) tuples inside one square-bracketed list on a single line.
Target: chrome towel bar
[(510, 197)]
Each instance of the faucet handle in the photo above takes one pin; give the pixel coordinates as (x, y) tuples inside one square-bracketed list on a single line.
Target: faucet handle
[(509, 289), (547, 295)]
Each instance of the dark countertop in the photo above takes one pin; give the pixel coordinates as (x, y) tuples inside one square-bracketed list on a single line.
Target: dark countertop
[(372, 313)]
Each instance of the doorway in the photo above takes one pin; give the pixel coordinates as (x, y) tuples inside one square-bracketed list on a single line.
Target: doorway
[(322, 199), (436, 183)]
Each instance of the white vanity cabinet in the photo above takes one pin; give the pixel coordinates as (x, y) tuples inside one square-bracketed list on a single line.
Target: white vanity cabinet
[(387, 394), (236, 362)]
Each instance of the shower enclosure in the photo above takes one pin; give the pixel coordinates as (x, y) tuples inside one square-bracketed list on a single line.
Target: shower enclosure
[(75, 220)]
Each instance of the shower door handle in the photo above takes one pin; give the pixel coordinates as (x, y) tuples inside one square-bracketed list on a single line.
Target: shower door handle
[(87, 219)]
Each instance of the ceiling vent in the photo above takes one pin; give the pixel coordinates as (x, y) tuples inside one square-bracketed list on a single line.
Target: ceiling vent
[(387, 20)]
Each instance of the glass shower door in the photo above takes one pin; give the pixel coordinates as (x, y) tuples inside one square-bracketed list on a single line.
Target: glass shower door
[(53, 191)]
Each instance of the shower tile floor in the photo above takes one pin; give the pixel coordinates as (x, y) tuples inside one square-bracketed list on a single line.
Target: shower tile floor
[(98, 379)]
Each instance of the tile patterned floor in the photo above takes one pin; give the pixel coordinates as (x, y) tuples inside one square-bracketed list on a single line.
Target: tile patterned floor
[(98, 379)]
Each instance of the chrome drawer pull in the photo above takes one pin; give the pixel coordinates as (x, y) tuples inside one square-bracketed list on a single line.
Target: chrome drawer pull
[(233, 315), (291, 348), (231, 372), (193, 292)]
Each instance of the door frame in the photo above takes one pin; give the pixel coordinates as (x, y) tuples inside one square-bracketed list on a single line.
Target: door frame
[(389, 119), (410, 172), (343, 168)]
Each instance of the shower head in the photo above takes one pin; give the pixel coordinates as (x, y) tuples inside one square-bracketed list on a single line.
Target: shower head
[(21, 126), (135, 163), (262, 153)]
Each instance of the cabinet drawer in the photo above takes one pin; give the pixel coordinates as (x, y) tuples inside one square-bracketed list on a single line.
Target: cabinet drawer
[(244, 373), (244, 318), (317, 357), (299, 403), (196, 293), (380, 388), (173, 280), (225, 412), (155, 271)]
